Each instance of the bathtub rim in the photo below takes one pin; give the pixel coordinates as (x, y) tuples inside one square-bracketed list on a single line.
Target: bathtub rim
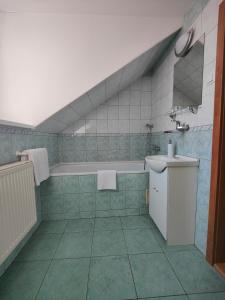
[(95, 173)]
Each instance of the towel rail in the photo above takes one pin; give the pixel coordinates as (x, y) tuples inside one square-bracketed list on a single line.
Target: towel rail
[(23, 156)]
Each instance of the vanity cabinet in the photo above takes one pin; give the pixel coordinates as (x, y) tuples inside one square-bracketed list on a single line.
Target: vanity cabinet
[(172, 202), (158, 200)]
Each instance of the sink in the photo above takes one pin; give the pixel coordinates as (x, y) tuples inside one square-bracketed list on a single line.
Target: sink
[(159, 163)]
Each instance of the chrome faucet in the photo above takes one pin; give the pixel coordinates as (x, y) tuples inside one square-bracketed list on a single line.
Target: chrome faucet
[(182, 126), (179, 126)]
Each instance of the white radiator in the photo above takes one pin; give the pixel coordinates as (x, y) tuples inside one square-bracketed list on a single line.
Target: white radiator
[(17, 205)]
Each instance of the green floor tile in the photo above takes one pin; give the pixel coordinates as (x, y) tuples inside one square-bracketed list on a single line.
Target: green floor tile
[(110, 278), (40, 247), (79, 225), (165, 247), (183, 297), (65, 280), (109, 243), (195, 274), (22, 280), (141, 240), (74, 245), (210, 296), (51, 227), (153, 276), (107, 223), (131, 222)]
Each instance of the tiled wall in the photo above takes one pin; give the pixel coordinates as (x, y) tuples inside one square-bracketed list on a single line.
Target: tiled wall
[(196, 142), (195, 10), (14, 139), (113, 131), (71, 197), (162, 77), (103, 147), (126, 112)]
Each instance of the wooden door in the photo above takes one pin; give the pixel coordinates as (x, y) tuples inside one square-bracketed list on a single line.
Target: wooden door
[(215, 253)]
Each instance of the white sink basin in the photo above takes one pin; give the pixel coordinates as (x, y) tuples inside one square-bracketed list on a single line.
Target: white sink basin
[(159, 163)]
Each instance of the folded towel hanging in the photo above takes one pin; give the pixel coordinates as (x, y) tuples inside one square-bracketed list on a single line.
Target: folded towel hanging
[(107, 180), (39, 157)]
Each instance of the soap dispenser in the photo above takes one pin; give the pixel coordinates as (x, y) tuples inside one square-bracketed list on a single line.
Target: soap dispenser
[(170, 149)]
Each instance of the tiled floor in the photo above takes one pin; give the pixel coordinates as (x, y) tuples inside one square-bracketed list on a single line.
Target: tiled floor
[(114, 258)]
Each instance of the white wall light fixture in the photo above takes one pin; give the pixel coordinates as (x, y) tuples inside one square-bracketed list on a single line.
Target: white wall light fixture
[(183, 43)]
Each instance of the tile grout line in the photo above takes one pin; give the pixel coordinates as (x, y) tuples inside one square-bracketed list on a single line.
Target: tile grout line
[(165, 254), (129, 259), (164, 250), (51, 260), (208, 292), (162, 297), (123, 229), (90, 258), (97, 256)]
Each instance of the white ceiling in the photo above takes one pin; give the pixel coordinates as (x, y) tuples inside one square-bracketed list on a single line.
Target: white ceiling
[(148, 8)]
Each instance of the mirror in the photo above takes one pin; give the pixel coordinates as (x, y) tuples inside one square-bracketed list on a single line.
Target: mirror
[(188, 77)]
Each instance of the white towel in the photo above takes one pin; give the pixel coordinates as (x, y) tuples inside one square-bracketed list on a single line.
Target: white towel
[(39, 157), (107, 180)]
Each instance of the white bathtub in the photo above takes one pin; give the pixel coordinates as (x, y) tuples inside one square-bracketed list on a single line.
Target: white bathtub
[(93, 167)]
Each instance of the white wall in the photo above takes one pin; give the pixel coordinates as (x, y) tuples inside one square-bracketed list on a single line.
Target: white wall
[(162, 79), (126, 112), (49, 60)]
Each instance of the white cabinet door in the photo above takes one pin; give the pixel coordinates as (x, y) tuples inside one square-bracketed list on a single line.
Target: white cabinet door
[(158, 200)]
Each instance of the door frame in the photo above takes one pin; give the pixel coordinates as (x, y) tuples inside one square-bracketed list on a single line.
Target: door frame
[(215, 253)]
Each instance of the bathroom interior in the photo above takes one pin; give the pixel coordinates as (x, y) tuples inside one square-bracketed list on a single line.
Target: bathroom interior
[(106, 161)]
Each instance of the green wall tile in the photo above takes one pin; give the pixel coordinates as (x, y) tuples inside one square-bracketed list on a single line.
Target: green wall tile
[(80, 142), (71, 203), (103, 213), (103, 200), (55, 204), (71, 184), (91, 143), (135, 199), (103, 142), (87, 183), (52, 186), (136, 181), (117, 200), (79, 197), (87, 214), (121, 181), (87, 202)]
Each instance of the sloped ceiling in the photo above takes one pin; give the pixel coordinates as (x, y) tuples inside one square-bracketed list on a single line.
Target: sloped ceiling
[(52, 52), (148, 8), (105, 90)]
